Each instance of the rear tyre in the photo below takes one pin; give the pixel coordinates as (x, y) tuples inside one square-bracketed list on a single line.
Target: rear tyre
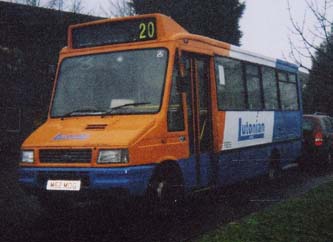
[(273, 173)]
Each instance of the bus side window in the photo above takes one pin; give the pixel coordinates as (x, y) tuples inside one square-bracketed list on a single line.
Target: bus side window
[(288, 91), (229, 84), (270, 88), (253, 87), (175, 109)]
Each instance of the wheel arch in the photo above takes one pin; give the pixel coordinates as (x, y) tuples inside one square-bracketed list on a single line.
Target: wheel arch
[(275, 157), (275, 154), (167, 166), (274, 164)]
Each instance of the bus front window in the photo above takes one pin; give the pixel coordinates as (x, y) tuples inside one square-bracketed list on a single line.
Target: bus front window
[(124, 82)]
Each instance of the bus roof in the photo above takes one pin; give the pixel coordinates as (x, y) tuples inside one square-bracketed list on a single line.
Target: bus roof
[(155, 27)]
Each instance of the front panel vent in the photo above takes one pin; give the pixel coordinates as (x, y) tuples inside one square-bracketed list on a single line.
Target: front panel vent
[(96, 126)]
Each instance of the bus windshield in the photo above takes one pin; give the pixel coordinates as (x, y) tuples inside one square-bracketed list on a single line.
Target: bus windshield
[(125, 82)]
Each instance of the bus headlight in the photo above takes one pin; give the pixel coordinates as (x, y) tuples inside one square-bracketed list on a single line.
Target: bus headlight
[(113, 156), (27, 156)]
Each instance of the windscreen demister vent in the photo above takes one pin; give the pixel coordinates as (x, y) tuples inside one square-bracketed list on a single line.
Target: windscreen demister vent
[(96, 126)]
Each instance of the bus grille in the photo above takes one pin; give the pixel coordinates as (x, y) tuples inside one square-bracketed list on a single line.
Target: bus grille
[(65, 156)]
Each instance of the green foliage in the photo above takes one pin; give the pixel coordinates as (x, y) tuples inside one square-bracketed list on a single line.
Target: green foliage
[(318, 95), (308, 218), (218, 19)]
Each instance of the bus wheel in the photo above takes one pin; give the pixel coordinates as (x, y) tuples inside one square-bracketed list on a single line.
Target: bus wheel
[(165, 190)]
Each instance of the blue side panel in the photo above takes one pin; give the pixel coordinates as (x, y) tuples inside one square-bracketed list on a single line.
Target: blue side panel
[(228, 167), (132, 179), (289, 152), (188, 169), (238, 165), (206, 172), (287, 125), (287, 135), (286, 66), (253, 161), (246, 163)]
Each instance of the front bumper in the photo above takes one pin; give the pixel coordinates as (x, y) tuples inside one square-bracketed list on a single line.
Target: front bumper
[(132, 180)]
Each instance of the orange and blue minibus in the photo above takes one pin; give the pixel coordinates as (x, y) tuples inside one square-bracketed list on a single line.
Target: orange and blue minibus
[(142, 107)]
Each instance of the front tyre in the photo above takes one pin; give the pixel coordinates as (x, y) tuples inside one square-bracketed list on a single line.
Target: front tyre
[(166, 190)]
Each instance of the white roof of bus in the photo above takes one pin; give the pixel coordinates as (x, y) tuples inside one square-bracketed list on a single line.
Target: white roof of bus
[(238, 53), (241, 54)]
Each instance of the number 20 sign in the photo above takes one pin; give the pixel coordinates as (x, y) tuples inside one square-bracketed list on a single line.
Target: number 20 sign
[(147, 30)]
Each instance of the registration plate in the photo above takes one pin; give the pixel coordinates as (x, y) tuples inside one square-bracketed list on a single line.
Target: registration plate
[(63, 185)]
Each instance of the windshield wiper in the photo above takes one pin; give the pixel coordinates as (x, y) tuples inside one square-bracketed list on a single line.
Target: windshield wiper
[(129, 104), (124, 105), (81, 111)]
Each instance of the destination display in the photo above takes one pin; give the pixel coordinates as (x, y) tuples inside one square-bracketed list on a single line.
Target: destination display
[(114, 33)]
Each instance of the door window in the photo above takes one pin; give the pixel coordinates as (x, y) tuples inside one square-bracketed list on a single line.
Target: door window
[(175, 110)]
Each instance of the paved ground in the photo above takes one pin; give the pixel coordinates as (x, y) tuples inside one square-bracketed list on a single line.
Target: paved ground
[(22, 219)]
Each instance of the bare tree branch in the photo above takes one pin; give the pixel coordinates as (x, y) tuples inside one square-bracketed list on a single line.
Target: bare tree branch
[(76, 6), (56, 4), (320, 17), (320, 33), (35, 3), (315, 43), (119, 8)]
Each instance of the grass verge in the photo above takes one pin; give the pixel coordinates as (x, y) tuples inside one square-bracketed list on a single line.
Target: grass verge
[(306, 218)]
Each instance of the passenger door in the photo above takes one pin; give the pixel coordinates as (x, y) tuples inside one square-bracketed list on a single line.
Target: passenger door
[(199, 115)]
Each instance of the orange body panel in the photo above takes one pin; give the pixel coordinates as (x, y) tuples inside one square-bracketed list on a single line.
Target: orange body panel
[(145, 136)]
